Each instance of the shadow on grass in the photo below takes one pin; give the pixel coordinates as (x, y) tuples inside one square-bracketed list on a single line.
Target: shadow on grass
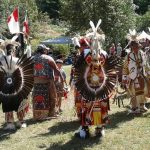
[(31, 121), (62, 127), (76, 144), (123, 116), (72, 126), (147, 115), (118, 118), (79, 144), (5, 134)]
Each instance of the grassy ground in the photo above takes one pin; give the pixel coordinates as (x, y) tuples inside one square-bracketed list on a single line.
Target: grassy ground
[(123, 133)]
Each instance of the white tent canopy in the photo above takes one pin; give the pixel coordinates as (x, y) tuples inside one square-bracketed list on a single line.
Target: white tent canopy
[(143, 35)]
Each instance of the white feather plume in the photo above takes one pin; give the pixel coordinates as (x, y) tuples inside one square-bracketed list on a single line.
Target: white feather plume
[(14, 38), (92, 26), (132, 32), (98, 24), (100, 36)]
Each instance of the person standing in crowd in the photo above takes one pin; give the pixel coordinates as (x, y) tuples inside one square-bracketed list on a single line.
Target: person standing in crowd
[(44, 93), (119, 50), (59, 85), (112, 49), (135, 78)]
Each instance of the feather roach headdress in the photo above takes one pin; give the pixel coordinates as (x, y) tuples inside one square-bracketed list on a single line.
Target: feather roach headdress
[(16, 79), (132, 35), (96, 32)]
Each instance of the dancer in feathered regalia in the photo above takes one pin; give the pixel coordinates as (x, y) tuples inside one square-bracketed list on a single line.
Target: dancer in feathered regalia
[(16, 82), (95, 78), (135, 76)]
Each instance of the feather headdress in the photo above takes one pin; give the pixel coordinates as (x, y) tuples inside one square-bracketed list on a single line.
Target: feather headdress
[(95, 31), (132, 35), (5, 43)]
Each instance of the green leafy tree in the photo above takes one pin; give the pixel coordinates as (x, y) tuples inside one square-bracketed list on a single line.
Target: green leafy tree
[(34, 17), (143, 6), (51, 7), (143, 22), (117, 16)]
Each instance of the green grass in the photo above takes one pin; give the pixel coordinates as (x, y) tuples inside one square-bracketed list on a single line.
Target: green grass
[(123, 133), (67, 71)]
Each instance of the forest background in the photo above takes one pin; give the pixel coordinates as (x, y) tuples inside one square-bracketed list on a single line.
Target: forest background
[(54, 18)]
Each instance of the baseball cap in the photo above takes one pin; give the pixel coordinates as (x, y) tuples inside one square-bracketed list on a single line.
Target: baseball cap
[(42, 46), (59, 61)]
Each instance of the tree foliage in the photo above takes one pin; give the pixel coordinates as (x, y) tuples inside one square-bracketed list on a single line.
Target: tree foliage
[(34, 16), (143, 22), (51, 7), (143, 6), (117, 16)]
